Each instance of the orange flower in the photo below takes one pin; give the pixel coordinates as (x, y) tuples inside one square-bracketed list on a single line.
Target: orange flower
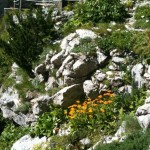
[(89, 99), (78, 101), (102, 110), (106, 102), (100, 96), (101, 101), (109, 91), (79, 106), (94, 105), (90, 110), (84, 107), (109, 101), (112, 95)]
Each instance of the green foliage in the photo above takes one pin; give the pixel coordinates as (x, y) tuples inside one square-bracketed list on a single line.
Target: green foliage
[(101, 11), (10, 134), (135, 141), (141, 43), (93, 114), (48, 121), (116, 40), (130, 102), (86, 46), (142, 17), (27, 36), (96, 11)]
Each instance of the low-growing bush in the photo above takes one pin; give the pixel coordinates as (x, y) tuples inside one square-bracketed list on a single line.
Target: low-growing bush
[(93, 114), (10, 134), (142, 17), (50, 119), (135, 141)]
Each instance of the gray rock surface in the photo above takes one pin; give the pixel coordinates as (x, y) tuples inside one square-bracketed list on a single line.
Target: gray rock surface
[(27, 143)]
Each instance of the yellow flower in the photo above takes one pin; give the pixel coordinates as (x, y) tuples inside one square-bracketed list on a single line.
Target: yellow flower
[(102, 110), (79, 106), (89, 99), (95, 105), (84, 107), (72, 117), (90, 110), (109, 101), (106, 102), (77, 101), (100, 96), (109, 91)]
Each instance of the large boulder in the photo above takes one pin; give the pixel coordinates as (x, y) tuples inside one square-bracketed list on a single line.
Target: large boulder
[(76, 68), (68, 95), (28, 143), (143, 114)]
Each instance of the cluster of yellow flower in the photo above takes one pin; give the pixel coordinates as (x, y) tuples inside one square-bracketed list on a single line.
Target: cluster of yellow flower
[(89, 106)]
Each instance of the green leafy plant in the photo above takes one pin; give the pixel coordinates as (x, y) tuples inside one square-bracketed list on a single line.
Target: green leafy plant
[(92, 114), (48, 121), (9, 136)]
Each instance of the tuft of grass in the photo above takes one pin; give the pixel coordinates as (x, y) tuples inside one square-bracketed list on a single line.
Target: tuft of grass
[(142, 17)]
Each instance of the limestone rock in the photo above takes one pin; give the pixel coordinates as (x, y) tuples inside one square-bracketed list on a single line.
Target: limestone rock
[(100, 57), (84, 33), (51, 83), (137, 72), (143, 115), (90, 89), (57, 59), (118, 60), (68, 95), (27, 143)]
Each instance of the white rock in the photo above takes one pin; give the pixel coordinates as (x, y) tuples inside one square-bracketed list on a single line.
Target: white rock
[(118, 59), (99, 75), (144, 121), (84, 33), (51, 83), (137, 71), (68, 95), (27, 143), (100, 57), (90, 89), (10, 96), (65, 41), (85, 141)]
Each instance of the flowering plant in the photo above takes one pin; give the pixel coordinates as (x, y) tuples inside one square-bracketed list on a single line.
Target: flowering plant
[(93, 113)]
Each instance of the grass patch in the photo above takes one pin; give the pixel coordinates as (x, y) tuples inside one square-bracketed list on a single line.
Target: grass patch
[(142, 17)]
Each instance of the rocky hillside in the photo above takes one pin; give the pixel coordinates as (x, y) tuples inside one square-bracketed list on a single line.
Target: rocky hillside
[(89, 85)]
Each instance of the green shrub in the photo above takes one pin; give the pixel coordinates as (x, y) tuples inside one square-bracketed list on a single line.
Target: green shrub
[(101, 11), (141, 44), (27, 38), (10, 134), (116, 40), (48, 121), (142, 17), (135, 141)]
